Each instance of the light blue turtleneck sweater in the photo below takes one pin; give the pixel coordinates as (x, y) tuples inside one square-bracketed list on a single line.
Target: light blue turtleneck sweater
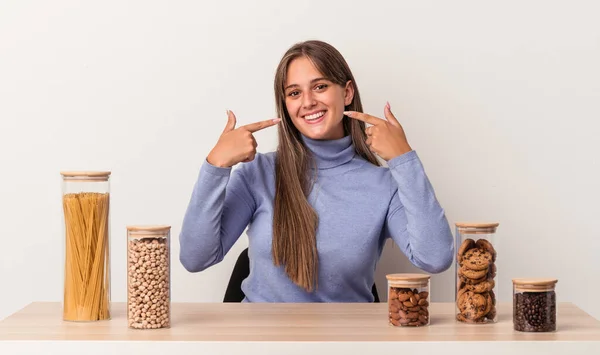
[(359, 206)]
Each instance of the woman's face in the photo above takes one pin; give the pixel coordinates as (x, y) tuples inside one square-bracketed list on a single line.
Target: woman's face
[(315, 104)]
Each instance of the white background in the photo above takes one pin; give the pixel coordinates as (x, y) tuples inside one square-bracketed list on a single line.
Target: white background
[(501, 100)]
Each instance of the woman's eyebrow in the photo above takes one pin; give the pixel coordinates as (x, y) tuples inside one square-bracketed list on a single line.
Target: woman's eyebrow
[(312, 81)]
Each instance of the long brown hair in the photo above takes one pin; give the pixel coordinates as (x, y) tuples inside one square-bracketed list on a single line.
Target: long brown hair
[(294, 220)]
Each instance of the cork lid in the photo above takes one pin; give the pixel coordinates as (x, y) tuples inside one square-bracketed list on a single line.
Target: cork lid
[(408, 279), (476, 227), (530, 285), (148, 229), (85, 175)]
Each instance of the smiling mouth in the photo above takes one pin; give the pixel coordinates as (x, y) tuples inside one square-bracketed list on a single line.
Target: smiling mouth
[(314, 116)]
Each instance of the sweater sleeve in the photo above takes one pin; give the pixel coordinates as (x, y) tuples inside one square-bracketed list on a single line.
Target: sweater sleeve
[(218, 212), (415, 220)]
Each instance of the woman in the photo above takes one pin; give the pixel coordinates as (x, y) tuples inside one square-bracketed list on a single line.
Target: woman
[(320, 208)]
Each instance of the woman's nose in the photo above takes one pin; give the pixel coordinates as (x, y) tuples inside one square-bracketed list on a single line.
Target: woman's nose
[(308, 100)]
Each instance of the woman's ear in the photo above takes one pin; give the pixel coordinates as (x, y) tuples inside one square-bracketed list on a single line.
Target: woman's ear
[(348, 93)]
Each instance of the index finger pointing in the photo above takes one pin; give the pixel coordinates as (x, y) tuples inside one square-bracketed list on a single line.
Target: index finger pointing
[(257, 126), (364, 117)]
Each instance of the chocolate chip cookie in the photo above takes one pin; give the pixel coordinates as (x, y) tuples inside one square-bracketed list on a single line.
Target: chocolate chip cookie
[(466, 245), (485, 286), (477, 259), (473, 305), (469, 281), (487, 246), (462, 318), (472, 274)]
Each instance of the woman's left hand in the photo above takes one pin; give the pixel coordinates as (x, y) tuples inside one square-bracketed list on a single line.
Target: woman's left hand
[(385, 138)]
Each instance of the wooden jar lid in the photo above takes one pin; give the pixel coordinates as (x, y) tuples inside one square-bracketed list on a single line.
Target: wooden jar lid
[(408, 279), (534, 285), (149, 228), (85, 175), (139, 231), (476, 228)]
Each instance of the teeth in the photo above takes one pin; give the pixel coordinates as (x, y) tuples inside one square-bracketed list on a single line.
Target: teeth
[(314, 116)]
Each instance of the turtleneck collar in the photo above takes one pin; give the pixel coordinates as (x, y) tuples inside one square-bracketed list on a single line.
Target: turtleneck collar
[(330, 153)]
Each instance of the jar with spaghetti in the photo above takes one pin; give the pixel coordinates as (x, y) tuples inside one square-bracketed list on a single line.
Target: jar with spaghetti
[(476, 287), (86, 283), (148, 277)]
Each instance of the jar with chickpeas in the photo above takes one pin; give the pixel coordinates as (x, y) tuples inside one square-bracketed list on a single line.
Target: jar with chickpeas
[(148, 277)]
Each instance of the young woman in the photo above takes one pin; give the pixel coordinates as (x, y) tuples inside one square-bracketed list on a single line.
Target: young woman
[(320, 208)]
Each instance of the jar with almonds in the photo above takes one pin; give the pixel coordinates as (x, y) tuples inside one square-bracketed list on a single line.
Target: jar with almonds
[(408, 300), (476, 287)]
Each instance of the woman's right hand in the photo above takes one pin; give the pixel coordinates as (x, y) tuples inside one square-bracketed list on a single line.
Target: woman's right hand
[(237, 144)]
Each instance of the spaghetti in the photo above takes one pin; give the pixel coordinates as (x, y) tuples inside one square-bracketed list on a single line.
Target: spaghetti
[(87, 283)]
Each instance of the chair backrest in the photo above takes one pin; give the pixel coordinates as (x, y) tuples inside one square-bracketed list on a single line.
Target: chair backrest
[(241, 270)]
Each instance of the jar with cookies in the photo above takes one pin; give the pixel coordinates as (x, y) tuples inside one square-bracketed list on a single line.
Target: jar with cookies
[(148, 277), (476, 288), (408, 300), (534, 305)]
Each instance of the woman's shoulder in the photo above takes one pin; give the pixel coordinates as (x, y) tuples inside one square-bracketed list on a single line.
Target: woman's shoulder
[(378, 176), (263, 161), (367, 167), (262, 165)]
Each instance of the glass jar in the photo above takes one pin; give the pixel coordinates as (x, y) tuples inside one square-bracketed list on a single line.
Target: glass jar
[(476, 287), (408, 300), (534, 305), (148, 277), (86, 282)]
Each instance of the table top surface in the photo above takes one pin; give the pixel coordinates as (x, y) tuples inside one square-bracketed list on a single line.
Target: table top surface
[(288, 322)]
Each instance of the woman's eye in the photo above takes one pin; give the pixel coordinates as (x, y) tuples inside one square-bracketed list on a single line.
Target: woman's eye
[(321, 86), (293, 93)]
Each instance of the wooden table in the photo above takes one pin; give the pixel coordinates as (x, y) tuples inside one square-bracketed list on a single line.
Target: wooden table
[(243, 328)]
